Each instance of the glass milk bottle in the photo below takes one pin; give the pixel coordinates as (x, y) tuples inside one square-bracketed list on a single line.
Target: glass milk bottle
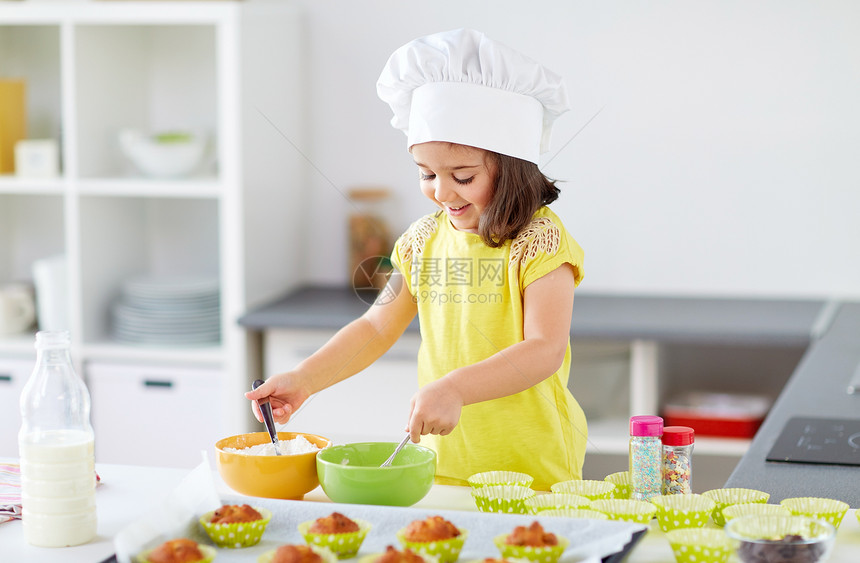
[(58, 479)]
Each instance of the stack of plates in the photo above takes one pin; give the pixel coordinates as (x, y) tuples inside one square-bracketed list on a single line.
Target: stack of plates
[(171, 311)]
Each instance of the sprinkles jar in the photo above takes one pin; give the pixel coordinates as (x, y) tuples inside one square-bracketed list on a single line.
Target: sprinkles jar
[(678, 460), (645, 457)]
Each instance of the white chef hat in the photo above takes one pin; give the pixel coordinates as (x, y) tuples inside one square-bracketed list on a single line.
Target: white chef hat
[(462, 87)]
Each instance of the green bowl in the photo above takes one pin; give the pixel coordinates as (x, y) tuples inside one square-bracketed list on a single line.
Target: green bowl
[(351, 473)]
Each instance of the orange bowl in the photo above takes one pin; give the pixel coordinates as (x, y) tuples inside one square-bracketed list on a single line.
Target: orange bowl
[(269, 476)]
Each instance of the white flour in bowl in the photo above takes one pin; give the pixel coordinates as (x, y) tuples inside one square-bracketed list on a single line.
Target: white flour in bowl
[(298, 445)]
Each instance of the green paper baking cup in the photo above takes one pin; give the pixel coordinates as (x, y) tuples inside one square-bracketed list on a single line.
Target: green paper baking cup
[(548, 554), (626, 509), (549, 501), (754, 509), (588, 513), (588, 488), (621, 480), (682, 511), (502, 498), (445, 551), (374, 556), (239, 534), (828, 509), (326, 555), (344, 545), (730, 496), (699, 545), (489, 478), (208, 552)]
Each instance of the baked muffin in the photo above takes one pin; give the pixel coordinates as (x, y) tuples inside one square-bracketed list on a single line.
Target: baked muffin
[(294, 553), (532, 543), (533, 536), (297, 553), (434, 528), (434, 537), (180, 550), (236, 526), (235, 513), (342, 535), (336, 523), (392, 555)]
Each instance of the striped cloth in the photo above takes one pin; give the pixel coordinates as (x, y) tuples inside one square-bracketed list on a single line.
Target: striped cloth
[(10, 492)]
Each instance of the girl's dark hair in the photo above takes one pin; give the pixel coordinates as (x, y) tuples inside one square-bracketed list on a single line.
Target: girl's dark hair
[(520, 190)]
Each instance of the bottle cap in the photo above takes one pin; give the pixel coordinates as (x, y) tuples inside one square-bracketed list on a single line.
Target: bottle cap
[(646, 425), (678, 436)]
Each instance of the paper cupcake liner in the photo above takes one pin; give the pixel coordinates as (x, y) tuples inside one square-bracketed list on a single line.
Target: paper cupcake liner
[(621, 480), (828, 509), (326, 555), (754, 509), (626, 509), (444, 551), (549, 554), (588, 513), (699, 545), (588, 488), (539, 503), (208, 552), (239, 534), (730, 496), (502, 498), (343, 545), (683, 511), (489, 478)]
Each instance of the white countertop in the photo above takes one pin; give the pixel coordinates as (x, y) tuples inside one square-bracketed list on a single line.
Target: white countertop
[(127, 491)]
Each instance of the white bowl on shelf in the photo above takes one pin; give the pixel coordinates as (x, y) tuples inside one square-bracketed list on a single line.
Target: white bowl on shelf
[(164, 155)]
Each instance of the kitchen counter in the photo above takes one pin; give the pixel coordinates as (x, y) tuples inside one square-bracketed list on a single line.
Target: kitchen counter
[(817, 388), (828, 331), (613, 317), (128, 491)]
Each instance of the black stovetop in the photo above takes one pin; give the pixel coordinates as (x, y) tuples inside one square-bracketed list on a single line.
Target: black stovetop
[(834, 441)]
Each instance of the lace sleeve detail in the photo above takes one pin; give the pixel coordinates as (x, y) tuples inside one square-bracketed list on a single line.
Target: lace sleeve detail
[(541, 235), (415, 238)]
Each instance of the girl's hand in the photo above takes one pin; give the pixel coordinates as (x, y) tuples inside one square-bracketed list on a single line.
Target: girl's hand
[(283, 392), (435, 410)]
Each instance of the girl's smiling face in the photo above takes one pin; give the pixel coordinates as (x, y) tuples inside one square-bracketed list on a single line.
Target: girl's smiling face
[(457, 178)]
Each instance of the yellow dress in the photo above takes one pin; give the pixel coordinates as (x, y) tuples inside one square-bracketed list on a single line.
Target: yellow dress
[(470, 306)]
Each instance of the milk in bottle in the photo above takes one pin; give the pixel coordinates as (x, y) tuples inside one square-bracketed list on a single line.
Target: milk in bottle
[(56, 448)]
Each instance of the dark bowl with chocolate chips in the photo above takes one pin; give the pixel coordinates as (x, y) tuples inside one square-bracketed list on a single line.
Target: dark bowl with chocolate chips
[(781, 539)]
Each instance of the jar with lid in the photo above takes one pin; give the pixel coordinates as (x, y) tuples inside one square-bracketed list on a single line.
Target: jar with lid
[(56, 448), (369, 238), (645, 457), (678, 460)]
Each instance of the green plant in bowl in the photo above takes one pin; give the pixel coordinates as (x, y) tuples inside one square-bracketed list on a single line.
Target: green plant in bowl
[(351, 473)]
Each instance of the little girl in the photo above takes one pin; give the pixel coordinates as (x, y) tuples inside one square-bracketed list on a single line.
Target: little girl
[(491, 274)]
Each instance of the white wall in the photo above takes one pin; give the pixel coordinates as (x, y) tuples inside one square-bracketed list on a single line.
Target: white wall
[(724, 158)]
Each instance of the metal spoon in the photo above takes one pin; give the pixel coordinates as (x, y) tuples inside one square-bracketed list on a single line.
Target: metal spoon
[(388, 461), (268, 419)]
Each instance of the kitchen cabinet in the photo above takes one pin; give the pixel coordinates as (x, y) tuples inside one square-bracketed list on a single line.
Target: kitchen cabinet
[(155, 415), (13, 376), (231, 70)]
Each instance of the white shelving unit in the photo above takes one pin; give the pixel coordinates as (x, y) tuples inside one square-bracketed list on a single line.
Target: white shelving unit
[(230, 69)]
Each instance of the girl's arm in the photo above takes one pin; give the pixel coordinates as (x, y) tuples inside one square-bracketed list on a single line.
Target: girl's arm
[(547, 312), (350, 350)]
